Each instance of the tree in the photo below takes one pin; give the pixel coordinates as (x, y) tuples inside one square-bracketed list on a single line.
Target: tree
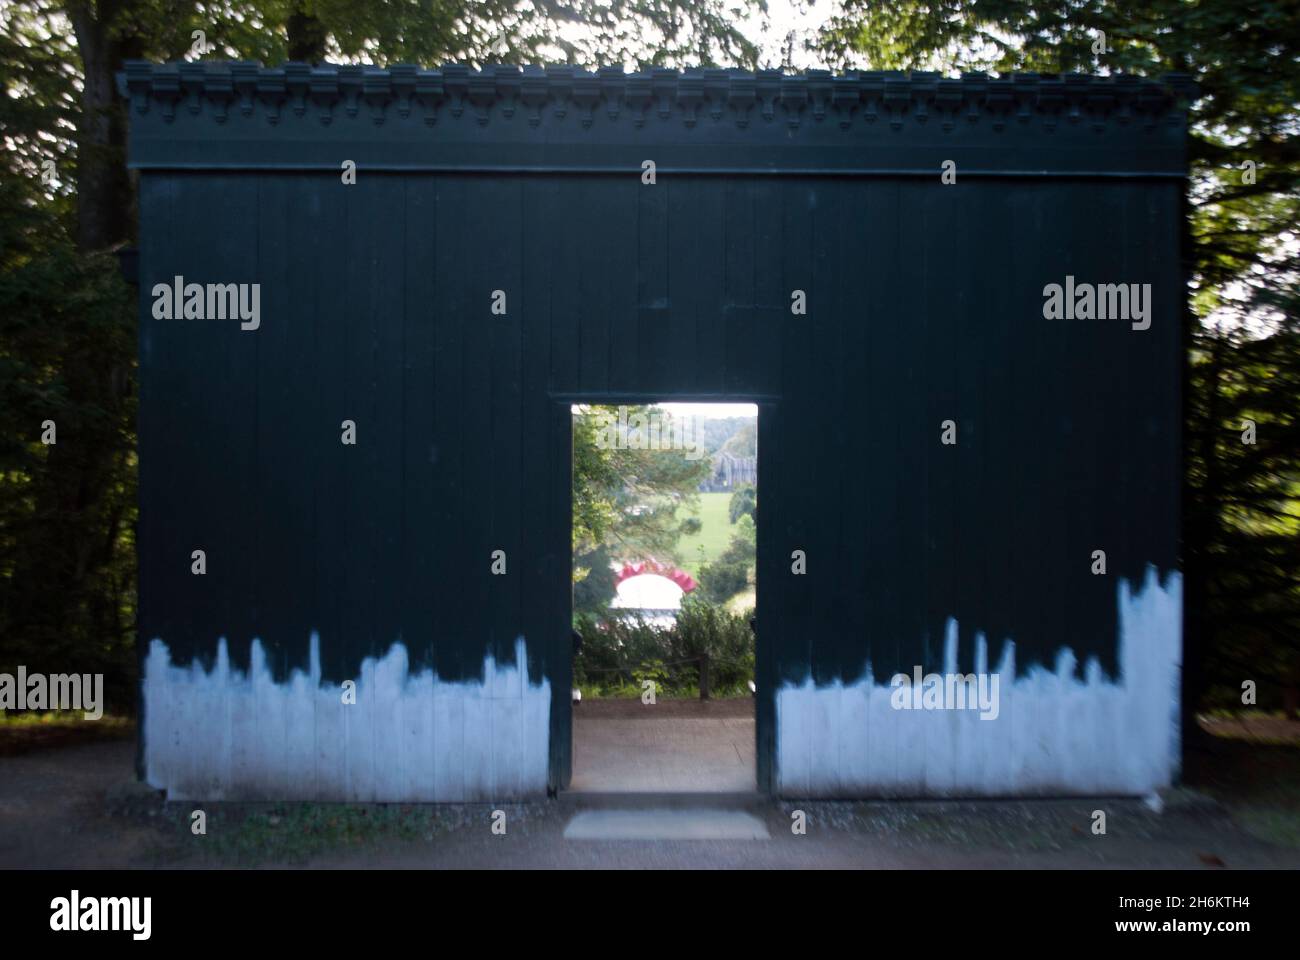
[(627, 491), (1244, 421), (66, 460), (744, 442), (730, 573), (743, 503)]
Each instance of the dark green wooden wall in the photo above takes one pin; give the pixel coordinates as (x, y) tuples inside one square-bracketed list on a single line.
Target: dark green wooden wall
[(924, 304)]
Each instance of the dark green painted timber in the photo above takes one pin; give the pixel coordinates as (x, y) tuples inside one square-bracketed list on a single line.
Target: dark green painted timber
[(924, 304)]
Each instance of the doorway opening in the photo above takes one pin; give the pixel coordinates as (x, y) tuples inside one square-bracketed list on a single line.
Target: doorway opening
[(664, 593)]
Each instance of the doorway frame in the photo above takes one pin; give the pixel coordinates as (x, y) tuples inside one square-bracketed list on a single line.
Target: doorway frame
[(559, 536)]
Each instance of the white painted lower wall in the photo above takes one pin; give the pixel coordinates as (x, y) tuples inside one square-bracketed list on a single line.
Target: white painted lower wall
[(227, 735), (1054, 734)]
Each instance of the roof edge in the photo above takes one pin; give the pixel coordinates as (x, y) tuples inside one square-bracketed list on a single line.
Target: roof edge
[(766, 93)]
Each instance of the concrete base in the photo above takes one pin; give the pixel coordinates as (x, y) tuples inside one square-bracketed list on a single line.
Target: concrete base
[(673, 746)]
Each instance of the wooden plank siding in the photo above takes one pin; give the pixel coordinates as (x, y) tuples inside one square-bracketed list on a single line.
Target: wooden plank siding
[(925, 303)]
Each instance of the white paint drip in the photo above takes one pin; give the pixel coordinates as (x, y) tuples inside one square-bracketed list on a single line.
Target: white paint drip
[(1054, 734), (227, 735)]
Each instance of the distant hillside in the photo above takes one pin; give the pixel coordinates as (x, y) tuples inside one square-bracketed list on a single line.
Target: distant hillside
[(715, 433), (744, 442)]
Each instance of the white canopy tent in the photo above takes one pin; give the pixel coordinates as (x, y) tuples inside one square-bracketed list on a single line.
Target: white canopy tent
[(656, 598)]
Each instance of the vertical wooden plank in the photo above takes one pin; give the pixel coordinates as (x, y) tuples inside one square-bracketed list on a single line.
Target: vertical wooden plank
[(882, 422), (619, 284), (704, 285), (857, 290), (385, 370), (359, 724), (477, 757), (565, 285), (292, 468), (655, 309), (233, 491), (587, 194), (422, 594), (163, 550), (738, 317), (771, 293), (450, 312), (537, 553), (483, 274), (559, 521), (449, 755), (331, 516), (424, 536), (674, 350), (783, 461), (502, 202), (811, 355), (854, 292), (282, 514)]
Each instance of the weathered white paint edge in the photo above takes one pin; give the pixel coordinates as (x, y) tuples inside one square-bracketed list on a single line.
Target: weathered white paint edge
[(1055, 734), (227, 735)]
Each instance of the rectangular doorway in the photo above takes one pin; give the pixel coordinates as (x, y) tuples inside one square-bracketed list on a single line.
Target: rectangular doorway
[(663, 602)]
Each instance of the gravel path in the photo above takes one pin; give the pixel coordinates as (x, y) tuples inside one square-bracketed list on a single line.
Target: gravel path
[(76, 806)]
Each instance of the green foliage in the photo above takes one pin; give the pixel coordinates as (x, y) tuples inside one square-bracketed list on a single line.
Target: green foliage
[(595, 478), (594, 581), (723, 578), (706, 628), (488, 31), (730, 573), (714, 432), (652, 671), (24, 732), (67, 510), (625, 500), (744, 442), (744, 502), (618, 653), (614, 647), (1244, 511)]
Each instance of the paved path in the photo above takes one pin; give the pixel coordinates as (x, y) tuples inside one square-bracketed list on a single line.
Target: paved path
[(54, 812), (674, 745)]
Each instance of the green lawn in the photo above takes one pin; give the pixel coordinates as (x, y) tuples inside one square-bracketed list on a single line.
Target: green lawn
[(715, 532)]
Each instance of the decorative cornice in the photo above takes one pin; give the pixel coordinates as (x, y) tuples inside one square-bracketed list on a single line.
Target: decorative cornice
[(240, 116), (696, 96)]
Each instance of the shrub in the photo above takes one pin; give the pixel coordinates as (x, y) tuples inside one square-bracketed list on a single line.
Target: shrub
[(744, 502), (729, 574), (706, 628), (619, 652)]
